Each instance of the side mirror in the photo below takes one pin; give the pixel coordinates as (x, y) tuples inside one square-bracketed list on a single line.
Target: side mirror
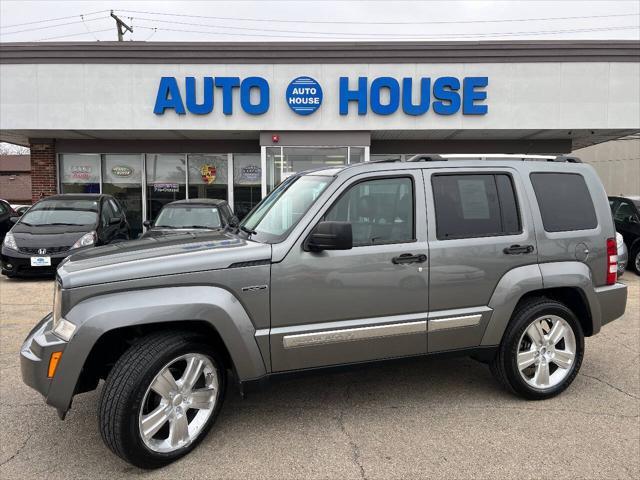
[(114, 220), (330, 236), (146, 224), (234, 221), (14, 218)]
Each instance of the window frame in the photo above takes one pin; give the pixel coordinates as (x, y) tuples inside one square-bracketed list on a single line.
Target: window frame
[(539, 206), (348, 187), (493, 174)]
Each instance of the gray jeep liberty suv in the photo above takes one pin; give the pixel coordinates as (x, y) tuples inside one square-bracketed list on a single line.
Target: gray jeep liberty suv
[(510, 260)]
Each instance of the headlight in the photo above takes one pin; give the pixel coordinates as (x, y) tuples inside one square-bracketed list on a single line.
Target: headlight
[(10, 241), (61, 327), (86, 240)]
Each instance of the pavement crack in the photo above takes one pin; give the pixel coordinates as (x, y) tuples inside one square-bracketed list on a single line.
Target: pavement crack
[(609, 385), (355, 450), (20, 448)]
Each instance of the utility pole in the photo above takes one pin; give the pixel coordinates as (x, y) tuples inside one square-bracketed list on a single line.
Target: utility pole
[(121, 26)]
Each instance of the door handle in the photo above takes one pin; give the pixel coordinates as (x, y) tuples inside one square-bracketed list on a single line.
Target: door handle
[(518, 249), (409, 258)]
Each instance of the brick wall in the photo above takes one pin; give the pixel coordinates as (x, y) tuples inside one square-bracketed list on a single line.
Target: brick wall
[(43, 170)]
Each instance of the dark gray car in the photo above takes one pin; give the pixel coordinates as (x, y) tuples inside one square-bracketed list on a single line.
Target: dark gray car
[(510, 261), (194, 214)]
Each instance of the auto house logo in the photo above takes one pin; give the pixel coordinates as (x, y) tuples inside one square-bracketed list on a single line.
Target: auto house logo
[(304, 95)]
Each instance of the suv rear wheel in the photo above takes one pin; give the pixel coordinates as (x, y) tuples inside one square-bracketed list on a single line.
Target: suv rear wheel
[(541, 351), (161, 398)]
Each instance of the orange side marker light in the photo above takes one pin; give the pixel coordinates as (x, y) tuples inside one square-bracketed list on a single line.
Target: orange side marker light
[(53, 363)]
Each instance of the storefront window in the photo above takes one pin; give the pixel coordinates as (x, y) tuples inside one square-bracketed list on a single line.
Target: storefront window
[(297, 159), (208, 176), (356, 154), (122, 178), (80, 173), (247, 177), (166, 181)]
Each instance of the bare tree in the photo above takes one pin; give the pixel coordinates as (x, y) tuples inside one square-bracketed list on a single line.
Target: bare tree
[(11, 149)]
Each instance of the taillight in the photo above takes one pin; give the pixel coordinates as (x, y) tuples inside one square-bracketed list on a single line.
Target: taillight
[(612, 261)]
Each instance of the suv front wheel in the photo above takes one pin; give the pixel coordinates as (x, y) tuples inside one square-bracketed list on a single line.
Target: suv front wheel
[(541, 351), (161, 398)]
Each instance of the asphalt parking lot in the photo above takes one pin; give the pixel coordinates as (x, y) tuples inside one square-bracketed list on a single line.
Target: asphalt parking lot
[(427, 418)]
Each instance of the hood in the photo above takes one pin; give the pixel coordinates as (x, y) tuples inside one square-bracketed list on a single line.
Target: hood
[(165, 255), (48, 236), (156, 232)]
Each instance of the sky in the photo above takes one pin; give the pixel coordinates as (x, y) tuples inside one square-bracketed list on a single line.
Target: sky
[(272, 20)]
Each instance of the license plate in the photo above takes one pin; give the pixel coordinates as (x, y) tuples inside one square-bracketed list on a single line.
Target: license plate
[(40, 261)]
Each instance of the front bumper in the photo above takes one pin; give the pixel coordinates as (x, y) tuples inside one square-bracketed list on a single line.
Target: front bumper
[(35, 354), (18, 263), (613, 302)]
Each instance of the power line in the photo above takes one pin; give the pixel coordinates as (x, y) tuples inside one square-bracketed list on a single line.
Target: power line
[(53, 26), (308, 32), (430, 36), (76, 34), (52, 19), (350, 22)]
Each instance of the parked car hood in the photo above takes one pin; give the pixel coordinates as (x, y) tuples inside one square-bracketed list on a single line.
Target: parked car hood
[(156, 232), (48, 236), (167, 255)]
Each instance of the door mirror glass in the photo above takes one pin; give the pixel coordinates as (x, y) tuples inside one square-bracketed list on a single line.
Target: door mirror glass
[(14, 218), (330, 236), (234, 221)]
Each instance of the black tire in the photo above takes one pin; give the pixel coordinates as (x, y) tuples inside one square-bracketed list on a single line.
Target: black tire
[(504, 365), (634, 259), (122, 396)]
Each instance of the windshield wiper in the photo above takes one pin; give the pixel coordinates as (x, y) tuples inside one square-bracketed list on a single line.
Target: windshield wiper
[(65, 224)]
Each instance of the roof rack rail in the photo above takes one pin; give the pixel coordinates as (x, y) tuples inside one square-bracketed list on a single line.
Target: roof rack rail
[(427, 157), (566, 158)]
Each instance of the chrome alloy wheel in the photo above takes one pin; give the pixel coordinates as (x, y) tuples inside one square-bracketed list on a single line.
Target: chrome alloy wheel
[(637, 261), (546, 352), (178, 403)]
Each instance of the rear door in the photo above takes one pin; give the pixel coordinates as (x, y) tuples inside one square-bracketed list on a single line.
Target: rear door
[(478, 231), (367, 303)]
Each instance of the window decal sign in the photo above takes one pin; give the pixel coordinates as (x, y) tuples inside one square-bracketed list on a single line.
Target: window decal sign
[(208, 173), (121, 171), (166, 187)]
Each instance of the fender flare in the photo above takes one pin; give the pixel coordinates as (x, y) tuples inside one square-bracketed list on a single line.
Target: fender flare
[(522, 280), (98, 315)]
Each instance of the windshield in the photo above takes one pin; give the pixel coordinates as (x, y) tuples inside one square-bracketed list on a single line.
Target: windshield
[(189, 216), (283, 208), (62, 212)]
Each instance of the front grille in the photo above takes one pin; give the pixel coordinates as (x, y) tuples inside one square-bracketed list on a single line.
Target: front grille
[(48, 251)]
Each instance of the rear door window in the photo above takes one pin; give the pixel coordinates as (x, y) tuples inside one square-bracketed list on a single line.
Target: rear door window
[(474, 205), (565, 202)]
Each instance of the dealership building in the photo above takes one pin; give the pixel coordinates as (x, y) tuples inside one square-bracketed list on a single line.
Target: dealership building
[(156, 122)]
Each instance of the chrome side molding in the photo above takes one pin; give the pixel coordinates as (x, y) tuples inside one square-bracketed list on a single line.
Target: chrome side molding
[(438, 324), (354, 334)]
